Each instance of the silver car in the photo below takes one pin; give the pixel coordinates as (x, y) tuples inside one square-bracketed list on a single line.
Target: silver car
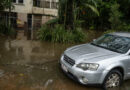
[(105, 61)]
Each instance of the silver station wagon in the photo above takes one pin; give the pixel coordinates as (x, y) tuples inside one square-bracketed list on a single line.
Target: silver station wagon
[(105, 61)]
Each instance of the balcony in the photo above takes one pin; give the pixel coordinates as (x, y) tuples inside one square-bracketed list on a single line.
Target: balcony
[(45, 7)]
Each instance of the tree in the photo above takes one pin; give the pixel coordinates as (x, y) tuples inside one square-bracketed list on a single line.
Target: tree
[(70, 11), (69, 15), (125, 9), (115, 17), (5, 4), (2, 6)]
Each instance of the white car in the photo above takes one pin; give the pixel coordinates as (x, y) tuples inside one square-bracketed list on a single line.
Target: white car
[(105, 61)]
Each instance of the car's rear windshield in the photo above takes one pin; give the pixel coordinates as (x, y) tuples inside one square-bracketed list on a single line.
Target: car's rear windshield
[(113, 42)]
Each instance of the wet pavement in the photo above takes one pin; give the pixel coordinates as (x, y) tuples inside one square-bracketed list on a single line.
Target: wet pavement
[(34, 65)]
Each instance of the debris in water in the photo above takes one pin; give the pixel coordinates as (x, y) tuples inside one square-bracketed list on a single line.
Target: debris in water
[(1, 73), (21, 74), (48, 82)]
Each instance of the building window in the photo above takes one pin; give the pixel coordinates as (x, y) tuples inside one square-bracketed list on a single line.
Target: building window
[(17, 1), (54, 5), (36, 3), (46, 4), (20, 1), (14, 1)]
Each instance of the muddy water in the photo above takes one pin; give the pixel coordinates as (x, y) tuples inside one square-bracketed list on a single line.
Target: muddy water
[(32, 65)]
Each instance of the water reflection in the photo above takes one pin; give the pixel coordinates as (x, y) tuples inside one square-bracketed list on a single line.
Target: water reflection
[(32, 65), (27, 52)]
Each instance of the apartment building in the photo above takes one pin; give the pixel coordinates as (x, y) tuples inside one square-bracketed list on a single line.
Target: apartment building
[(32, 13), (39, 9)]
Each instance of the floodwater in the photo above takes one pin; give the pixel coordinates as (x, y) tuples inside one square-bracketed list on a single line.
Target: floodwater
[(34, 65)]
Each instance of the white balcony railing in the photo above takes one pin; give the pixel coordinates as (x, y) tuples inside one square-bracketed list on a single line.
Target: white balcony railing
[(52, 4)]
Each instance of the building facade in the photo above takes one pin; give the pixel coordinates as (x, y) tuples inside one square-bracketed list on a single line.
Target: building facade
[(31, 14)]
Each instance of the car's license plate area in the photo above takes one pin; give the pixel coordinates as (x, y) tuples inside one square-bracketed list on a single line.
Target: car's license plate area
[(64, 68)]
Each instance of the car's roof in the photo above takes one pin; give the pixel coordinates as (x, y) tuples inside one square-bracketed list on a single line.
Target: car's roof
[(124, 34)]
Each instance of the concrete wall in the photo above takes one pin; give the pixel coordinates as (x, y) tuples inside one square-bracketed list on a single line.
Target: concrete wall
[(46, 18), (47, 11), (26, 7), (21, 19), (37, 10), (22, 16), (53, 12)]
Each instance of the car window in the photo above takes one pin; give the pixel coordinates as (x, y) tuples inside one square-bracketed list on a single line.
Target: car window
[(114, 43)]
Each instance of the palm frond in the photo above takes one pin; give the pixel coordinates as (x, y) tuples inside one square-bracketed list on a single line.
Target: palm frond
[(94, 9)]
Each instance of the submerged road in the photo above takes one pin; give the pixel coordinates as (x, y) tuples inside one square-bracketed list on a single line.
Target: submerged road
[(32, 65)]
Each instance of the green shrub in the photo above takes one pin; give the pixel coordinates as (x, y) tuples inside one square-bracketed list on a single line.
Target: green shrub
[(3, 28), (59, 34), (52, 21), (6, 30), (91, 28), (109, 31), (115, 17), (125, 27), (44, 33), (79, 35)]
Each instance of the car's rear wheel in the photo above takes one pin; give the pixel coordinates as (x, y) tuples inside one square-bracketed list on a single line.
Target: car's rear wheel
[(113, 79)]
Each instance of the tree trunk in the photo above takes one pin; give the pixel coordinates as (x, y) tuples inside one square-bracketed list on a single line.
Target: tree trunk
[(9, 22), (69, 22)]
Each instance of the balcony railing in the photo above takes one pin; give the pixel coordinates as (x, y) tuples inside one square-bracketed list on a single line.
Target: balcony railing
[(52, 4)]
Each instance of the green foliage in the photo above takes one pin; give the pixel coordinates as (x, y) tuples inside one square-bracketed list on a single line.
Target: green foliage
[(6, 4), (60, 35), (94, 9), (115, 17), (109, 31), (91, 28), (78, 23), (52, 21), (44, 33), (6, 30), (114, 14), (125, 27), (79, 35), (71, 11)]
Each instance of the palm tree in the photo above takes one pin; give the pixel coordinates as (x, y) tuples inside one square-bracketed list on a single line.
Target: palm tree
[(70, 11)]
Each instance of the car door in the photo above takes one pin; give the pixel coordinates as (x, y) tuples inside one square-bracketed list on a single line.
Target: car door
[(128, 65)]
